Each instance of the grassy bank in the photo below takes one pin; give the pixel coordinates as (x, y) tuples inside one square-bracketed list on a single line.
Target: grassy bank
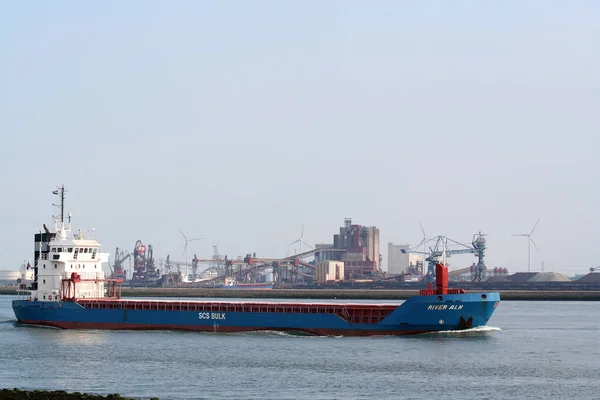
[(16, 394), (339, 294)]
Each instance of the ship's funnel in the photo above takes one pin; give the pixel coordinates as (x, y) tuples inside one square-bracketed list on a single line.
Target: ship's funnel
[(441, 278)]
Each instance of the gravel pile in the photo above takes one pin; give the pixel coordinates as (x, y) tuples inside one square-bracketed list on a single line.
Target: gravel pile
[(548, 277)]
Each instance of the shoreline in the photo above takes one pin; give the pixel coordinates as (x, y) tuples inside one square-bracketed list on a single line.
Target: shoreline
[(18, 394), (341, 294)]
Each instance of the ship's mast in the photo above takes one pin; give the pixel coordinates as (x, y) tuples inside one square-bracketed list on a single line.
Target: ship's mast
[(61, 192), (61, 230)]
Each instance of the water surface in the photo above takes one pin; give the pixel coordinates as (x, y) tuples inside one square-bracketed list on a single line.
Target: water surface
[(532, 350)]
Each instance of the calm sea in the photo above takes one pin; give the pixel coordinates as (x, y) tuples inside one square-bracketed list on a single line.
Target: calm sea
[(532, 350)]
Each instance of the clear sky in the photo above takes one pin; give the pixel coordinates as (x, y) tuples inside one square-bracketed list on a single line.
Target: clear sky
[(242, 120)]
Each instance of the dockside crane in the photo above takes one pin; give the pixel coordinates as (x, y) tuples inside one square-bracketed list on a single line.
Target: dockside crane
[(217, 257), (440, 249), (194, 268), (118, 272), (152, 273), (145, 272), (139, 264)]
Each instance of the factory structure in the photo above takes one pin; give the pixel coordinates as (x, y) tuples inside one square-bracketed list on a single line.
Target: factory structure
[(12, 277), (329, 271), (357, 247), (401, 261), (353, 258)]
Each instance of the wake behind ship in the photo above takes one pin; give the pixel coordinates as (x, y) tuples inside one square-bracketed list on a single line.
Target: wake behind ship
[(70, 291)]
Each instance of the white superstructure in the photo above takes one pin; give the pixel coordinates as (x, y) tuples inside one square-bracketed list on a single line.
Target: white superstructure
[(60, 256)]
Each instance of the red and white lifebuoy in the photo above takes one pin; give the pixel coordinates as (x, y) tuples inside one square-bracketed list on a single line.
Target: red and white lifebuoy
[(49, 297)]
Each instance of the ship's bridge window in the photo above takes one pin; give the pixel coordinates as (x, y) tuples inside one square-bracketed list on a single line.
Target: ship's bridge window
[(59, 249), (70, 249), (81, 249), (75, 254), (94, 253), (54, 249), (85, 250)]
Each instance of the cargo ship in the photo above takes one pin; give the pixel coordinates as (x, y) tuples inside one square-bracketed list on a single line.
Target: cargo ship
[(69, 291)]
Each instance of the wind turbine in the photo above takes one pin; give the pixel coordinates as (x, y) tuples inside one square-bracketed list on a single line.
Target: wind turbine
[(185, 248), (301, 240), (424, 240), (530, 241)]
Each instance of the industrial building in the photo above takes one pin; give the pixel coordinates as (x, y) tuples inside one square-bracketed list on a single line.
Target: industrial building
[(324, 254), (401, 261), (398, 255), (361, 255), (9, 277), (327, 271)]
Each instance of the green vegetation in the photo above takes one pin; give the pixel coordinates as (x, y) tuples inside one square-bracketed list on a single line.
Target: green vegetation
[(17, 394)]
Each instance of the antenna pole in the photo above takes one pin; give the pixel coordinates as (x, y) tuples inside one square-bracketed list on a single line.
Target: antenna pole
[(62, 203), (61, 192)]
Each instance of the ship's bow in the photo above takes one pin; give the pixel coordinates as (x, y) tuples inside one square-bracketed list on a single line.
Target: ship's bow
[(445, 312)]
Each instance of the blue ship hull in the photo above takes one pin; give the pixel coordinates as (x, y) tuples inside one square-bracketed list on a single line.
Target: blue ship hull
[(416, 315)]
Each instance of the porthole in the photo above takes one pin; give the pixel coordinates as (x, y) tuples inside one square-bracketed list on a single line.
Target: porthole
[(440, 298)]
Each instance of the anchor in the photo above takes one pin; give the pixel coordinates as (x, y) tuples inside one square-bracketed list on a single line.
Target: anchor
[(466, 324)]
